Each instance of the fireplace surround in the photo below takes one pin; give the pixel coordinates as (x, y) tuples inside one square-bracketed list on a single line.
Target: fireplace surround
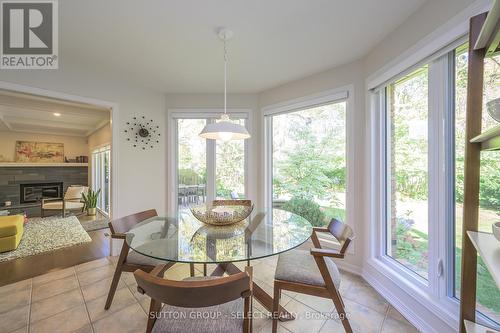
[(35, 192)]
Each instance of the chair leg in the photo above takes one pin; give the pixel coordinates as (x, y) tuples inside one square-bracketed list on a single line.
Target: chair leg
[(114, 285), (276, 304), (154, 309), (339, 305), (191, 269), (204, 269), (116, 277)]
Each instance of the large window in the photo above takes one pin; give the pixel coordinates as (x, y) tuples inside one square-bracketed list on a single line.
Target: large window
[(101, 177), (207, 169), (422, 135), (308, 158), (407, 170)]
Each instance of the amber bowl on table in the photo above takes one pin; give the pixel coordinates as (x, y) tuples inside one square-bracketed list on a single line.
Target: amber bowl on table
[(223, 212)]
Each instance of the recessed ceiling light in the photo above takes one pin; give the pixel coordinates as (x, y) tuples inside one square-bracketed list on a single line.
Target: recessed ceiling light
[(57, 114)]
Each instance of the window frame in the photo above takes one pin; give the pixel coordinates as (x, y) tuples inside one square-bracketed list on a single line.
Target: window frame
[(210, 115), (338, 95), (440, 108), (96, 175), (438, 293)]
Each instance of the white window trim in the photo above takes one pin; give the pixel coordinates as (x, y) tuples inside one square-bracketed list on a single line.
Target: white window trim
[(345, 93), (96, 178), (203, 113)]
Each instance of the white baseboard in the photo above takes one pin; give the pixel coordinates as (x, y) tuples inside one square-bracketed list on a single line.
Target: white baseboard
[(354, 269), (426, 318)]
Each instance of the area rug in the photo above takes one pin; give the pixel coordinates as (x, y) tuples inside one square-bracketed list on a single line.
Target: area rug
[(48, 234)]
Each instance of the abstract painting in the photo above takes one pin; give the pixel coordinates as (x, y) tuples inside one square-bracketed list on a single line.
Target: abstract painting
[(31, 152)]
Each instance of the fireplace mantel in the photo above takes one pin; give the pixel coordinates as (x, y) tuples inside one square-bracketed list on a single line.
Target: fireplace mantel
[(17, 164)]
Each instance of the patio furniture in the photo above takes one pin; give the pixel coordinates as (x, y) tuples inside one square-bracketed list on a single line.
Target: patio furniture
[(73, 200), (314, 272), (221, 304), (129, 260)]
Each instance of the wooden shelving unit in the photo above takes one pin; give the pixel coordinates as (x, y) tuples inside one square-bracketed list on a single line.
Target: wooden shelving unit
[(484, 35), (489, 249), (489, 140), (472, 327)]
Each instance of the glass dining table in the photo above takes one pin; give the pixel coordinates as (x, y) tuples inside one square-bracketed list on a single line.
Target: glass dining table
[(185, 239)]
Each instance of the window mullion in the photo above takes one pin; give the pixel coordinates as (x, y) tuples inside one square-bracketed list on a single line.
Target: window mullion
[(211, 165), (438, 207)]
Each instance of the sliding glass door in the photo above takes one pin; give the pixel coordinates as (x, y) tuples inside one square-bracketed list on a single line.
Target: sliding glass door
[(307, 155), (101, 177), (207, 169)]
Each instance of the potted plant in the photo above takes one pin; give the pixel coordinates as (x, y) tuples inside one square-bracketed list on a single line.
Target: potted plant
[(90, 200)]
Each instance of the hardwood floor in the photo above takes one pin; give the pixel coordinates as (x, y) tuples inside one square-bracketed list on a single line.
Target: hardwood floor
[(25, 268)]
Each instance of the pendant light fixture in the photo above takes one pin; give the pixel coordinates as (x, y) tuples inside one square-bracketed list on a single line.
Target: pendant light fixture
[(223, 129)]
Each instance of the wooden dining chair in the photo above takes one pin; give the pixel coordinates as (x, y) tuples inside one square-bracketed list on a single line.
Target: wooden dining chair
[(314, 272), (129, 260), (200, 304)]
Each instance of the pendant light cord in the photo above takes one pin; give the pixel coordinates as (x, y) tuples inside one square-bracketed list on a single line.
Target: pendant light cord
[(225, 76)]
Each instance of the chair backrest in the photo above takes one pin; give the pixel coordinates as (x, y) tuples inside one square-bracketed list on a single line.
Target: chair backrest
[(194, 293), (124, 224), (75, 192), (342, 232)]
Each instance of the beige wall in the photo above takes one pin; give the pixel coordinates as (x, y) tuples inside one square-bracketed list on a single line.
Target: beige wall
[(99, 138), (73, 146), (427, 19)]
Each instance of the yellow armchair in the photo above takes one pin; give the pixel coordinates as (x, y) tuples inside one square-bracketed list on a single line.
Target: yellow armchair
[(11, 232)]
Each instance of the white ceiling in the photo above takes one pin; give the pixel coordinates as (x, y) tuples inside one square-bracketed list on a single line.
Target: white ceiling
[(32, 114), (171, 45)]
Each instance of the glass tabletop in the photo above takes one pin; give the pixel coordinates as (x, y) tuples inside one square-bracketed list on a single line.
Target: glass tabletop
[(186, 239)]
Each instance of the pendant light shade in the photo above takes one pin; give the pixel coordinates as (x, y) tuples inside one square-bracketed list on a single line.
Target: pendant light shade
[(224, 129)]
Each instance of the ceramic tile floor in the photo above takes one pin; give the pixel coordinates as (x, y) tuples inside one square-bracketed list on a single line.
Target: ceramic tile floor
[(72, 300)]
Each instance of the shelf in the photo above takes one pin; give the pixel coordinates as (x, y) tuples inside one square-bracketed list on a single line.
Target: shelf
[(490, 139), (471, 327), (17, 164), (489, 37), (489, 249)]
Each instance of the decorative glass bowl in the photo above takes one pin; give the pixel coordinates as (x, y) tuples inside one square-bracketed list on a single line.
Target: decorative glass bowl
[(493, 108), (223, 212)]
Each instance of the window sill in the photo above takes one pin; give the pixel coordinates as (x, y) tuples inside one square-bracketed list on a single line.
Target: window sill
[(408, 295)]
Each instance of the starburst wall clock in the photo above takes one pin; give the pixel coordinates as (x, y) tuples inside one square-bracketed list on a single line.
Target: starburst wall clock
[(142, 132)]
